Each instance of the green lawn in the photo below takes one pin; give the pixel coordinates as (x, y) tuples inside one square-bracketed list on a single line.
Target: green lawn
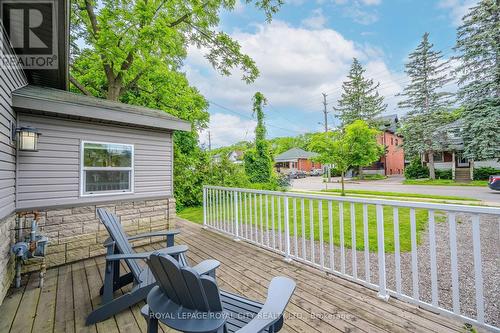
[(444, 182), (402, 195), (371, 177), (195, 214)]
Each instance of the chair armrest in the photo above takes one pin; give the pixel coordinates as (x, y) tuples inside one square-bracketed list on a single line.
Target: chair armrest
[(207, 267), (169, 233), (278, 295), (173, 250)]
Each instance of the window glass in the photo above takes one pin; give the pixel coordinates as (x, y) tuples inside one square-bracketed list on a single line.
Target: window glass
[(107, 155), (107, 168)]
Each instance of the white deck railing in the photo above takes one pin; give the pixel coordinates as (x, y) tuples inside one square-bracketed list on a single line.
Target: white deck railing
[(421, 250)]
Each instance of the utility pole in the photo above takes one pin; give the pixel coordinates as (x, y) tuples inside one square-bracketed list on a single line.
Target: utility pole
[(209, 142), (325, 112)]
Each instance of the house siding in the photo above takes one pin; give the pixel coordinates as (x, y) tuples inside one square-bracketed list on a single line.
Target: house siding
[(11, 78), (50, 177)]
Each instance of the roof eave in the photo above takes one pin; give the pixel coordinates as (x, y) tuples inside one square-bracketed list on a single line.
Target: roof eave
[(85, 111)]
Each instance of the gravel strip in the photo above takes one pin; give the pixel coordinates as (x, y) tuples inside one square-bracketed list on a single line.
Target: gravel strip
[(490, 250)]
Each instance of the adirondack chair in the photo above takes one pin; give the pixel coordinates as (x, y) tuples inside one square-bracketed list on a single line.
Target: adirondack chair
[(119, 248), (188, 302)]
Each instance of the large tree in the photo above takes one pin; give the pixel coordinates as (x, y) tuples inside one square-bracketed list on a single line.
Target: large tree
[(258, 160), (425, 100), (360, 99), (133, 50), (478, 44)]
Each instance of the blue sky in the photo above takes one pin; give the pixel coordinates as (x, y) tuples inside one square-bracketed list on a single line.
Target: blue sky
[(307, 50)]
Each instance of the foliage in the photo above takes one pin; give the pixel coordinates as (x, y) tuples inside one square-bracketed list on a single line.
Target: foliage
[(444, 182), (415, 170), (444, 174), (282, 144), (425, 99), (479, 52), (132, 51), (479, 79), (356, 145), (362, 140), (370, 177), (360, 98), (485, 172), (258, 161), (480, 132)]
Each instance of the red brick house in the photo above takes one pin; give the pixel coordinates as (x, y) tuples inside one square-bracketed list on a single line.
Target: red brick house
[(393, 161), (296, 159)]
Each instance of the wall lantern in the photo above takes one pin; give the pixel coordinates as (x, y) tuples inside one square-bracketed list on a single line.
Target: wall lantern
[(27, 138)]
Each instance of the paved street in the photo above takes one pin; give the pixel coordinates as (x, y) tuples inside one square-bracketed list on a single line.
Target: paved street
[(393, 184)]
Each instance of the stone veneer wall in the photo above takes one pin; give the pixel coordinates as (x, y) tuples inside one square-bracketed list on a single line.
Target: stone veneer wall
[(7, 261), (76, 233)]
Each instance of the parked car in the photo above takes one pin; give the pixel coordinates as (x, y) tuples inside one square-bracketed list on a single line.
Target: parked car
[(494, 183), (316, 172), (295, 174)]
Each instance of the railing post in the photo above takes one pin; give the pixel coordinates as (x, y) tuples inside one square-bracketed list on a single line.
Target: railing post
[(287, 232), (382, 293), (204, 207), (236, 224)]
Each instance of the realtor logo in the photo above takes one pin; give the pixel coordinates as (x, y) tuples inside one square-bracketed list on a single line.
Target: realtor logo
[(32, 30)]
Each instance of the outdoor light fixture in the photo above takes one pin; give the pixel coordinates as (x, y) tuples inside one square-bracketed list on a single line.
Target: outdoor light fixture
[(27, 138)]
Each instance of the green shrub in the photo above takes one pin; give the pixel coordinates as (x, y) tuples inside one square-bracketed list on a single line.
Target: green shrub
[(444, 174), (484, 173), (415, 170)]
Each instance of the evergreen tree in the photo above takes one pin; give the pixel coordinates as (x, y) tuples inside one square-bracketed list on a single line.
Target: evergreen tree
[(360, 99), (424, 98), (258, 161), (478, 44)]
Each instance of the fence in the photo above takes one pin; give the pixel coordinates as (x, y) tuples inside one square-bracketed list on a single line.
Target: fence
[(441, 257)]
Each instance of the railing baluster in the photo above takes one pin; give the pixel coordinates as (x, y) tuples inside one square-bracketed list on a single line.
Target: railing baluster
[(311, 229), (287, 230), (246, 215), (240, 210), (280, 244), (397, 259), (454, 262), (321, 246), (250, 225), (267, 220), (261, 220), (414, 260), (341, 227), (433, 260), (295, 238), (353, 242), (255, 229), (381, 254), (236, 221), (330, 234), (205, 208), (303, 224), (478, 275), (366, 239), (272, 219)]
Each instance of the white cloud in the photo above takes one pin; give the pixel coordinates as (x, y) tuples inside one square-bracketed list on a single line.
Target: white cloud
[(457, 8), (296, 65), (226, 129), (317, 20)]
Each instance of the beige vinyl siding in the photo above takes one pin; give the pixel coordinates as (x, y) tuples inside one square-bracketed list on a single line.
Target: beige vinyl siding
[(51, 176), (10, 80)]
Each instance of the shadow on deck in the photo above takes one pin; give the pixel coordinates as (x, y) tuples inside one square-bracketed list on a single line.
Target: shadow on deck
[(321, 303)]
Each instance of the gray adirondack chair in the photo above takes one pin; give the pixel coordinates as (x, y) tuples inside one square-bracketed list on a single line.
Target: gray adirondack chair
[(119, 248), (186, 301)]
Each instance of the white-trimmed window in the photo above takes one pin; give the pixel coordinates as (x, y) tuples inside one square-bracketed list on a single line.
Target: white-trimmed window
[(106, 168)]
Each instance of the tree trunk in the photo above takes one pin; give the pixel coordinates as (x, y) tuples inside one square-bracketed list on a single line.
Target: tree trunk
[(342, 192), (361, 175), (114, 90), (432, 171)]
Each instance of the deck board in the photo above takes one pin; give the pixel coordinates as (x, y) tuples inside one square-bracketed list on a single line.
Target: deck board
[(322, 302)]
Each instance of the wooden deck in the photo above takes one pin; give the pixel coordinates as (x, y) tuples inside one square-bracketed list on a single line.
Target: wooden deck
[(321, 303)]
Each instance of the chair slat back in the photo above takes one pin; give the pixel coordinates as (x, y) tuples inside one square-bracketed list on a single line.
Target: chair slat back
[(183, 285), (116, 232)]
